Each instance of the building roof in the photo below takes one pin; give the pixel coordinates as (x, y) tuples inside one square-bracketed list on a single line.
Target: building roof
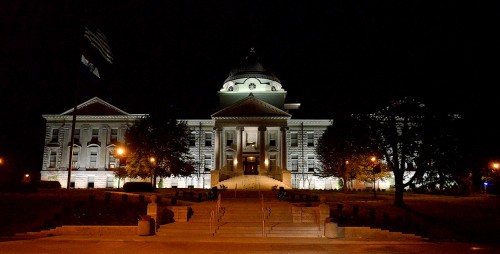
[(251, 67), (251, 107), (96, 107)]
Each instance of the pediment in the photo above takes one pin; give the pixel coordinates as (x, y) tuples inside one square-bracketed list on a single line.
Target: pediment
[(96, 107), (251, 107)]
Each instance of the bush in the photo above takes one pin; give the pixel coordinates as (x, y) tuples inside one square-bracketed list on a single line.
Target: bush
[(137, 187), (49, 185)]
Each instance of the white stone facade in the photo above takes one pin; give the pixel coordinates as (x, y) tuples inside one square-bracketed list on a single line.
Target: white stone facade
[(252, 134)]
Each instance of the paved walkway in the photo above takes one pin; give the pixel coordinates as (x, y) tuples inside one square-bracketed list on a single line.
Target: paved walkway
[(68, 244)]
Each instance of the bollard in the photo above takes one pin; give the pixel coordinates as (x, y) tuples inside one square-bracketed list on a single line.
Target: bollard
[(331, 229), (145, 226)]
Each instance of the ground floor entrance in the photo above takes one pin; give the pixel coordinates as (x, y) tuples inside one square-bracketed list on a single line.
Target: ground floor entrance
[(250, 165)]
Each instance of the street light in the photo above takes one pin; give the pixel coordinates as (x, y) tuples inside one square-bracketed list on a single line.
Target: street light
[(153, 173), (375, 169), (494, 166), (120, 153)]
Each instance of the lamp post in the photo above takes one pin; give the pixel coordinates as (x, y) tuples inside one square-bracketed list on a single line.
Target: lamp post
[(375, 166), (120, 153), (153, 174), (494, 166)]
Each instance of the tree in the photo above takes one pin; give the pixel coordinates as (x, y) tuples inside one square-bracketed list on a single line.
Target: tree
[(442, 154), (405, 135), (372, 170), (158, 146), (342, 147)]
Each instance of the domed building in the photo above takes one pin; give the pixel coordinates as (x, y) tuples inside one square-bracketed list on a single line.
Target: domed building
[(252, 142)]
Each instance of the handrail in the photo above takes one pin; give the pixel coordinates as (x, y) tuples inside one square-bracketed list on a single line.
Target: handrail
[(217, 207), (211, 233), (263, 216)]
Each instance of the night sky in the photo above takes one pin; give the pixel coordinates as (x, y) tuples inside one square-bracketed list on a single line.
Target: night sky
[(332, 57)]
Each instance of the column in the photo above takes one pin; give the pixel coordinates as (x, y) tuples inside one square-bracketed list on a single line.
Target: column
[(283, 154), (239, 148), (262, 150), (218, 149)]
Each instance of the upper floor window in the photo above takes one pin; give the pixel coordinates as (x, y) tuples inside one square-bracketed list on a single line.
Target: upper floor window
[(114, 135), (310, 163), (55, 135), (295, 162), (310, 139), (95, 133), (76, 135), (208, 139), (272, 138), (52, 159), (294, 139), (208, 162), (229, 138), (192, 138)]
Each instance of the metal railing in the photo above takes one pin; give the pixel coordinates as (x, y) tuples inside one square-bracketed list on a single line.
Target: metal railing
[(263, 216), (215, 217)]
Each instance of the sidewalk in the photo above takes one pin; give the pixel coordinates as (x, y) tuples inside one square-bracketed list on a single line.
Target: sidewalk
[(70, 244)]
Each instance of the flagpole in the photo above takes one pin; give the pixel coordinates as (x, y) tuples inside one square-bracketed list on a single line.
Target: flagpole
[(71, 149), (73, 122)]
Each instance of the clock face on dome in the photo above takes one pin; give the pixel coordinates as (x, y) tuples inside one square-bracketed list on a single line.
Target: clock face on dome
[(252, 86)]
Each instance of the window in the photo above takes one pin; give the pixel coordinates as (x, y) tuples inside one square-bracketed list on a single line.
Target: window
[(310, 163), (208, 162), (295, 162), (272, 162), (52, 159), (192, 138), (93, 159), (109, 181), (208, 139), (90, 182), (251, 138), (95, 134), (76, 136), (95, 137), (230, 162), (74, 158), (294, 139), (272, 138), (310, 139), (112, 159), (229, 138), (114, 135), (55, 136)]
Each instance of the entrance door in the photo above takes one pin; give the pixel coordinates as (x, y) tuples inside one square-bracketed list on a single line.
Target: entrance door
[(250, 166)]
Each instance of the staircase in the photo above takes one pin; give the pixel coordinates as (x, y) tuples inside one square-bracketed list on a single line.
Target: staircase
[(245, 215)]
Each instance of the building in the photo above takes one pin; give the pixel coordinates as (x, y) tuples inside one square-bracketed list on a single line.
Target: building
[(99, 129), (253, 134)]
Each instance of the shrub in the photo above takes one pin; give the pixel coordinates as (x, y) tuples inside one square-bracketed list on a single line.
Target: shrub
[(107, 197), (49, 185), (137, 187)]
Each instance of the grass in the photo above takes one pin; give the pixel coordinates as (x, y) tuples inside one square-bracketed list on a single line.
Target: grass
[(471, 218)]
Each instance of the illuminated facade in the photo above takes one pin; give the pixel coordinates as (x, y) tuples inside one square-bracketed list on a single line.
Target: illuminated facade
[(252, 134)]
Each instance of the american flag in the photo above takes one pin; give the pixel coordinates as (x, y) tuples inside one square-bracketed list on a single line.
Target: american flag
[(99, 43)]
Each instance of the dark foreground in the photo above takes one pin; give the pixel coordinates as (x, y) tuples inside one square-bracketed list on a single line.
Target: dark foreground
[(155, 244)]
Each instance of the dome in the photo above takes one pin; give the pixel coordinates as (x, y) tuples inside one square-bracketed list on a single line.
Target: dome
[(251, 67)]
